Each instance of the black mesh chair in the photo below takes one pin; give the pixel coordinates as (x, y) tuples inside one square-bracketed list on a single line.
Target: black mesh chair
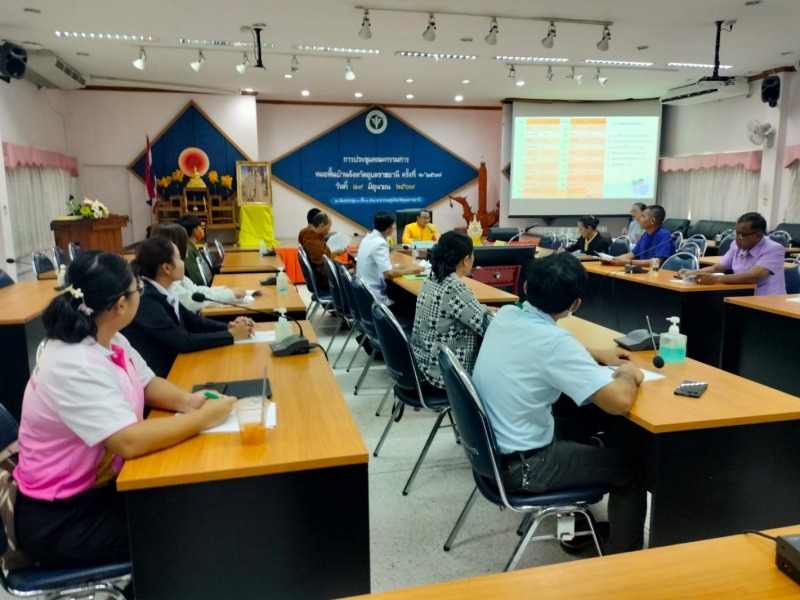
[(477, 439), (5, 279), (42, 264), (318, 298), (59, 258), (74, 249), (725, 244), (337, 298), (620, 246), (409, 387), (54, 584)]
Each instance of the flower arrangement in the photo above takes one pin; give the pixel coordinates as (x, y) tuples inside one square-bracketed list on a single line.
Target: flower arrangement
[(177, 176), (87, 209), (213, 177), (227, 181)]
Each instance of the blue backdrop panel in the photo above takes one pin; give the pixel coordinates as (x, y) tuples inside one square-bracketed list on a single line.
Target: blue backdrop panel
[(192, 129), (372, 162)]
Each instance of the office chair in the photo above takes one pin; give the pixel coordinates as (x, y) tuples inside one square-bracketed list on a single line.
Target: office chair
[(792, 277), (205, 271), (701, 242), (42, 264), (5, 279), (220, 250), (477, 439), (337, 299), (782, 237), (404, 216), (409, 386), (549, 241), (54, 584), (502, 277), (345, 281), (212, 256), (364, 299), (677, 240), (620, 246), (681, 260), (59, 258), (319, 298), (725, 244), (691, 247), (74, 249)]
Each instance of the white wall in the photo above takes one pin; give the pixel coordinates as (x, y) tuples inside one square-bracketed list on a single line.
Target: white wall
[(474, 135)]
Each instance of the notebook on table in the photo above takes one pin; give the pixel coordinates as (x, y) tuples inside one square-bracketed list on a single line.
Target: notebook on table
[(239, 389)]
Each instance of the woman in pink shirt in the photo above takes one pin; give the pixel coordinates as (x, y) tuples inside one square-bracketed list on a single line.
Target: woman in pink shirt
[(82, 417)]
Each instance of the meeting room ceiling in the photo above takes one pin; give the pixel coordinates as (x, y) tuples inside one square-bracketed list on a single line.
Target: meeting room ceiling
[(647, 31)]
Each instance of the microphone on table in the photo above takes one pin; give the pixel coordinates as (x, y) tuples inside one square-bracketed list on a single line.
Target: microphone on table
[(13, 261), (270, 252), (522, 232), (293, 344), (631, 268), (658, 361)]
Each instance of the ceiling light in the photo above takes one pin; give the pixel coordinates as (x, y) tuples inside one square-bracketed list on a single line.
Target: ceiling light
[(491, 37), (248, 90), (295, 67), (430, 32), (409, 81), (366, 26), (520, 83), (348, 72), (602, 45), (409, 96), (305, 93), (618, 63), (696, 65), (434, 55), (600, 80), (242, 66), (459, 98), (223, 43), (465, 81), (198, 64), (575, 78), (358, 94), (518, 59), (106, 37), (550, 38), (333, 49), (550, 73), (512, 72), (140, 62)]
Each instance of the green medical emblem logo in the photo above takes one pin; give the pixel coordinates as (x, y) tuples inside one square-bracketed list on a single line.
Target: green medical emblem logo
[(376, 122)]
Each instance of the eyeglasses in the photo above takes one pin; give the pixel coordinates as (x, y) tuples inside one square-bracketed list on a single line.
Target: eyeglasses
[(139, 289), (741, 236)]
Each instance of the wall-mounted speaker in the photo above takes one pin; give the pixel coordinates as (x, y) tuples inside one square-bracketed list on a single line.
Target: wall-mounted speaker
[(771, 90), (13, 60)]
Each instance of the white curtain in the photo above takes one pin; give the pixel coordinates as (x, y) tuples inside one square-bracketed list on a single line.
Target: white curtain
[(715, 194), (36, 196), (793, 213)]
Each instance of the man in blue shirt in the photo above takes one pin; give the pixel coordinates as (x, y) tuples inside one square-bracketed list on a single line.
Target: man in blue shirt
[(656, 241), (525, 364)]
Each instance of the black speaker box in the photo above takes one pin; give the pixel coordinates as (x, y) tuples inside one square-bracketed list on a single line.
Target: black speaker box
[(771, 90), (13, 60)]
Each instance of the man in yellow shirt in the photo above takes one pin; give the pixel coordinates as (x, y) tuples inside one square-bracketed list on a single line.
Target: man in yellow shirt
[(422, 230)]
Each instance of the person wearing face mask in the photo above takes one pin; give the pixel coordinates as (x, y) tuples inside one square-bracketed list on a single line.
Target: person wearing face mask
[(525, 364), (194, 229), (163, 327), (754, 258)]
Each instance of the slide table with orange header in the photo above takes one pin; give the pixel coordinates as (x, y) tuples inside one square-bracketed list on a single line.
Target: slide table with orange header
[(212, 518)]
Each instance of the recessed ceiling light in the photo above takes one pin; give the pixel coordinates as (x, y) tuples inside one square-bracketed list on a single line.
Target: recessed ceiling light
[(465, 81), (107, 37), (248, 90), (434, 55), (541, 59), (459, 98), (520, 83), (409, 96), (305, 93), (288, 76), (358, 94), (696, 65), (221, 43), (409, 81), (334, 49), (618, 63)]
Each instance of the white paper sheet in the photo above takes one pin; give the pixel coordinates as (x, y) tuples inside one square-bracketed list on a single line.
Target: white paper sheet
[(231, 425), (604, 256), (258, 337), (338, 242), (648, 375), (797, 300)]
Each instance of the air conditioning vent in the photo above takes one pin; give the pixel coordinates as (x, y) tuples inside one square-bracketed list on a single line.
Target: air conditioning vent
[(706, 90), (45, 69)]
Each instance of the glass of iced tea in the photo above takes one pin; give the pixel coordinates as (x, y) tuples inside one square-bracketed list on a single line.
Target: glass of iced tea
[(250, 414)]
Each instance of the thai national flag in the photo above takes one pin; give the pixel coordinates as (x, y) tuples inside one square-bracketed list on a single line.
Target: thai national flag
[(149, 177)]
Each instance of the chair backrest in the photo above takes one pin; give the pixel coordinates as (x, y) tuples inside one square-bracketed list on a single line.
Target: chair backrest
[(677, 240), (793, 229), (404, 216), (701, 242), (548, 240), (725, 244), (42, 264), (212, 255), (504, 277), (363, 302), (791, 276), (308, 273), (205, 271), (397, 353), (9, 428), (74, 249), (477, 437), (681, 260), (337, 295), (672, 225), (58, 256), (620, 246), (208, 257), (691, 247), (346, 285), (782, 237), (5, 279), (220, 249)]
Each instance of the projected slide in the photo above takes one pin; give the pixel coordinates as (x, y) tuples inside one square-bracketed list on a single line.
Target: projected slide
[(584, 157)]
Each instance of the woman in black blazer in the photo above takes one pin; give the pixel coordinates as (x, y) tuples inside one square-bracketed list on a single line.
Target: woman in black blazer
[(590, 242), (163, 327)]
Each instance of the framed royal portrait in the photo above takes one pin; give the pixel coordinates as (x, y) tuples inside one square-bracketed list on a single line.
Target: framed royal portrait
[(253, 182)]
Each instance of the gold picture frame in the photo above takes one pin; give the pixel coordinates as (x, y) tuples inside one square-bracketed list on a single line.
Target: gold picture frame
[(253, 183)]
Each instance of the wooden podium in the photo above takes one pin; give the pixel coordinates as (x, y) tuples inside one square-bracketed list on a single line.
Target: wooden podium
[(91, 234)]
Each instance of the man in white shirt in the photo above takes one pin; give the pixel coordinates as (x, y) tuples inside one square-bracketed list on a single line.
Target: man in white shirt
[(374, 265)]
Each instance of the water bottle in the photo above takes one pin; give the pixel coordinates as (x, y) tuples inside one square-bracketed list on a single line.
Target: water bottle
[(284, 328), (282, 282), (262, 247), (655, 265), (61, 276)]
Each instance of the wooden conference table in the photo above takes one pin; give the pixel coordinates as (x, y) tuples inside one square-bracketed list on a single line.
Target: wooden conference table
[(485, 294), (269, 300), (717, 464), (211, 518), (250, 262), (621, 301), (740, 566), (21, 330), (761, 340)]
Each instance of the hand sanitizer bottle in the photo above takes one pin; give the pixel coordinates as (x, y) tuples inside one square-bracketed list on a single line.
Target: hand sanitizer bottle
[(262, 247), (61, 276), (673, 343), (284, 328), (282, 282)]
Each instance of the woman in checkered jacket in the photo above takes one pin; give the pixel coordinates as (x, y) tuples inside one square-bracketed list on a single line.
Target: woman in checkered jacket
[(447, 311)]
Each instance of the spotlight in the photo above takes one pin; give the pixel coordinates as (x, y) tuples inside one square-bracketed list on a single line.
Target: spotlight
[(600, 80), (242, 66), (294, 68), (140, 62), (550, 73), (198, 64), (348, 72), (550, 38), (491, 37), (512, 72), (366, 26), (602, 45), (575, 78), (430, 32)]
